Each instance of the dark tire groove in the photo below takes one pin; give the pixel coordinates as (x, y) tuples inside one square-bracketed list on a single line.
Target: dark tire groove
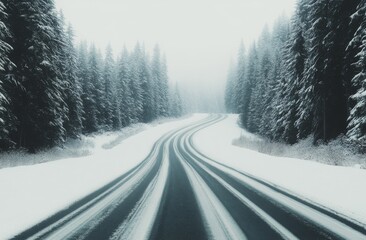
[(180, 216)]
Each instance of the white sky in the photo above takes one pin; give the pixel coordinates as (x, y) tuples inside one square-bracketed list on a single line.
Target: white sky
[(199, 37)]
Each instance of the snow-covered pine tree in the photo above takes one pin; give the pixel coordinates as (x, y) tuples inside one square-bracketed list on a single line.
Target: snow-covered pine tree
[(239, 94), (123, 88), (107, 97), (37, 96), (312, 93), (156, 81), (164, 88), (350, 69), (175, 102), (73, 89), (356, 130), (328, 41), (261, 84), (90, 121), (116, 113), (143, 69), (94, 109), (336, 42), (263, 92), (248, 120), (135, 83), (6, 118), (294, 63), (280, 35)]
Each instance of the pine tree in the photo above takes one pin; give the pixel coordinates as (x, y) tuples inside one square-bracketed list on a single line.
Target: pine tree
[(123, 89), (248, 120), (6, 117), (156, 81), (294, 57), (175, 102), (263, 87), (135, 83), (280, 35), (90, 120), (240, 82), (107, 97), (116, 113), (164, 89), (336, 43), (357, 120), (350, 69), (37, 95), (230, 90), (324, 72), (143, 70), (73, 91)]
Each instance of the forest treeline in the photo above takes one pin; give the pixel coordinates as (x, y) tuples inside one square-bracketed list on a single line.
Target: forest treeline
[(51, 90), (306, 77)]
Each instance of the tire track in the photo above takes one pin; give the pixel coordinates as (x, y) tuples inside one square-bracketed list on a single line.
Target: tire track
[(293, 216), (98, 215)]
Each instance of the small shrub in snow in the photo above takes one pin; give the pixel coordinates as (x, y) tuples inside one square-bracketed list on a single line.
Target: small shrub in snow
[(337, 152)]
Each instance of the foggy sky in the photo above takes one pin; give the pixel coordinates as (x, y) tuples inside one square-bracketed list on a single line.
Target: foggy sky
[(199, 37)]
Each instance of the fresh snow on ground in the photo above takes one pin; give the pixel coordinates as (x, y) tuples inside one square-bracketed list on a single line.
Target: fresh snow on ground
[(341, 189), (336, 152), (86, 145), (74, 148), (31, 193)]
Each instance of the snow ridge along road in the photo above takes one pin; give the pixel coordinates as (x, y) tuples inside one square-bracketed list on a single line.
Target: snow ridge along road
[(178, 193)]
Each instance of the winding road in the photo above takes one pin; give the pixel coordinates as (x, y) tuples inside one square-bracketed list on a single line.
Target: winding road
[(179, 193)]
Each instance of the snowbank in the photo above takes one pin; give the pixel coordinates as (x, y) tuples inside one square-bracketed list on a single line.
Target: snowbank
[(86, 145), (73, 148), (339, 188), (336, 152), (30, 194)]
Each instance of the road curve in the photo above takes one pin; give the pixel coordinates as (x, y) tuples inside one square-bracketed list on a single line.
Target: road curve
[(179, 193)]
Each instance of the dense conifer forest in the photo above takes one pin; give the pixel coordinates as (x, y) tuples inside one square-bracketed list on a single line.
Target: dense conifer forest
[(305, 77), (52, 90)]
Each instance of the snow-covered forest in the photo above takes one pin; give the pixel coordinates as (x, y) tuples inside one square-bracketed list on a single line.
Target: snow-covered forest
[(306, 76), (52, 90)]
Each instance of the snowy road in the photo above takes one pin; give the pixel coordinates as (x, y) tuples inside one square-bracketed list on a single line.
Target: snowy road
[(178, 193)]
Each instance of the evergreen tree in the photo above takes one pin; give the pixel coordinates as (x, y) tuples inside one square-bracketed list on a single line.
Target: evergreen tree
[(294, 57), (164, 89), (280, 36), (230, 90), (175, 102), (37, 95), (5, 111), (135, 83), (240, 83), (357, 120), (249, 101), (90, 120), (324, 73), (350, 69), (107, 97), (143, 70), (263, 87), (73, 91), (50, 92), (156, 81), (123, 89)]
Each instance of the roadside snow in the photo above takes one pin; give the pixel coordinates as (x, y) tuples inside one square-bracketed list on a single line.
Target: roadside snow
[(32, 193), (341, 189), (336, 152), (74, 148)]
